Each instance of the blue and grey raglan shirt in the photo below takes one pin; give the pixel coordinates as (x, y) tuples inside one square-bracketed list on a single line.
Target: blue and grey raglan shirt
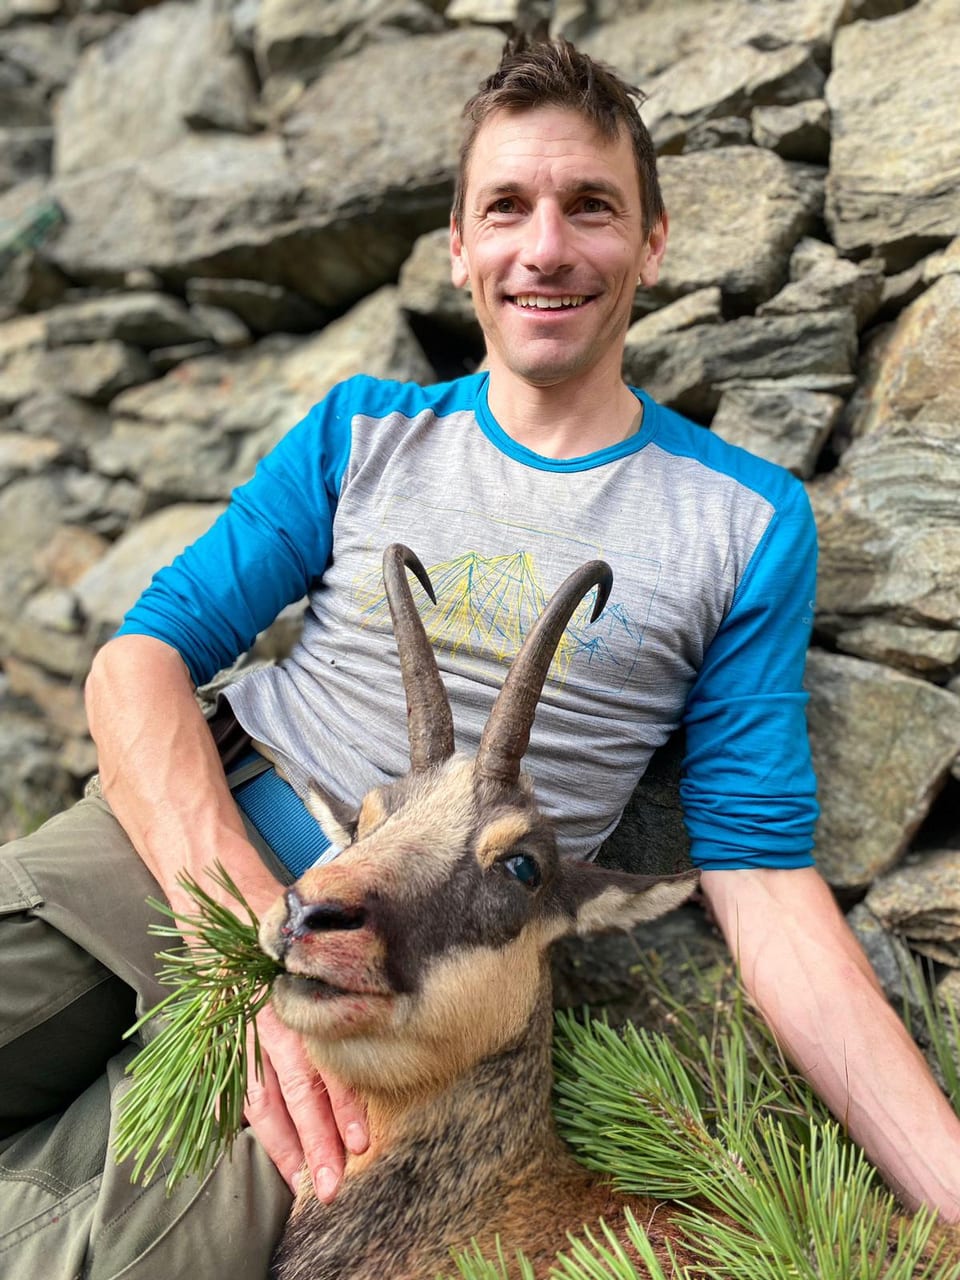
[(713, 554)]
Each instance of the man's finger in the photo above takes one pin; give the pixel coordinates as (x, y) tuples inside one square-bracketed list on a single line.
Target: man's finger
[(305, 1108), (267, 1115), (350, 1116)]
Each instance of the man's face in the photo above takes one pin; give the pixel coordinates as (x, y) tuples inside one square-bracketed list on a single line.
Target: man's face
[(552, 243)]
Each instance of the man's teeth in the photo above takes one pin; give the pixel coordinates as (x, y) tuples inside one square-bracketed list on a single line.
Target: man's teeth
[(544, 304)]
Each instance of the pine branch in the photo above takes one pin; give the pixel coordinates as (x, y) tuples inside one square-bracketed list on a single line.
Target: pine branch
[(185, 1104)]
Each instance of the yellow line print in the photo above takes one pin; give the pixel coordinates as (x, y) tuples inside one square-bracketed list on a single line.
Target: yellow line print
[(485, 607)]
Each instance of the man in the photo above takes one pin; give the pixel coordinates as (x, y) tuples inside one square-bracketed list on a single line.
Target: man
[(502, 483)]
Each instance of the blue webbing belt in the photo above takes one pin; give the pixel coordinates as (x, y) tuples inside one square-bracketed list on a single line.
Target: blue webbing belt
[(277, 812)]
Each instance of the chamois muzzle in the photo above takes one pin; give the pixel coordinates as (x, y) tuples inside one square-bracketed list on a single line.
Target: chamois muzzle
[(304, 918)]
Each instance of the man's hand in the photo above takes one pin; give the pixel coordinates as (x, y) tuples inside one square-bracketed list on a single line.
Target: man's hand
[(300, 1117)]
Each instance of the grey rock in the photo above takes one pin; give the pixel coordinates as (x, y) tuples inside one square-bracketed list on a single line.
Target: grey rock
[(133, 94), (746, 252), (201, 432), (29, 283), (66, 557), (298, 37), (30, 512), (915, 378), (830, 285), (225, 327), (53, 649), (942, 264), (882, 744), (145, 319), (889, 537), (427, 290), (112, 585), (330, 212), (689, 370), (920, 902), (25, 455), (24, 153), (797, 132), (727, 131), (50, 414), (23, 334), (894, 178), (920, 651), (36, 61), (264, 308), (163, 359), (701, 86), (788, 427), (948, 992), (657, 33), (609, 972), (700, 308), (902, 288), (60, 699), (34, 786), (13, 10), (493, 12), (28, 218), (105, 506), (890, 960)]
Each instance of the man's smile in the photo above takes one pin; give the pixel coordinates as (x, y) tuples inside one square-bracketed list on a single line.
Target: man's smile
[(548, 302)]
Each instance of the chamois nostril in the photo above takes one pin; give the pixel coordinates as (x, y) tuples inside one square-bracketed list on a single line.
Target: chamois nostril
[(319, 917)]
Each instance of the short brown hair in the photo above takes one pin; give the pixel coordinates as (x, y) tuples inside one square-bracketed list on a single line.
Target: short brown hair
[(553, 73)]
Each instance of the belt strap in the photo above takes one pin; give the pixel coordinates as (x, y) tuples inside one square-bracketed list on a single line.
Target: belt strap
[(278, 813)]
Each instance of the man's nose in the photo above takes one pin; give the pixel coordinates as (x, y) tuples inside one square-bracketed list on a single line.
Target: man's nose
[(546, 247)]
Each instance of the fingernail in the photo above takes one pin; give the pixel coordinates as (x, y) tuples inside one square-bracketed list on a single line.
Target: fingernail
[(325, 1182), (356, 1138)]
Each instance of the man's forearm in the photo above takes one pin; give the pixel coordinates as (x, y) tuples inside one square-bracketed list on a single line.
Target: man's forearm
[(810, 979), (160, 770)]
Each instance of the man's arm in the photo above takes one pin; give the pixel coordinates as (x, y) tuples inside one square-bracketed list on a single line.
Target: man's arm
[(814, 986), (162, 776)]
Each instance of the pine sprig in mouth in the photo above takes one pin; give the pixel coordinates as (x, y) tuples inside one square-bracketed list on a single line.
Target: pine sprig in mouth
[(185, 1102)]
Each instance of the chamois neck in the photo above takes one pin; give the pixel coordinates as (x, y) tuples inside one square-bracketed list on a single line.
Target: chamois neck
[(504, 1096)]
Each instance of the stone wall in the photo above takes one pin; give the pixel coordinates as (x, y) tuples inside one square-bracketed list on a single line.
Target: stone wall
[(211, 212)]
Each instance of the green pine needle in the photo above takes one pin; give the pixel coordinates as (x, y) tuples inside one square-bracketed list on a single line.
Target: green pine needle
[(710, 1115), (185, 1104)]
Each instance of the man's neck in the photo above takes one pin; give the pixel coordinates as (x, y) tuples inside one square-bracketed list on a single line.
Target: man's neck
[(567, 420)]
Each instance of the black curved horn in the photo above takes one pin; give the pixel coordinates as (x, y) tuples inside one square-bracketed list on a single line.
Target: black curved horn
[(429, 720), (507, 731)]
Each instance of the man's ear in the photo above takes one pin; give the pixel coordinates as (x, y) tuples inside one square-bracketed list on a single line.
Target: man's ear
[(594, 899), (653, 251), (459, 270)]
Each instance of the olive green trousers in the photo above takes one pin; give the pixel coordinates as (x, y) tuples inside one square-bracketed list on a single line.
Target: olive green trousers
[(77, 968)]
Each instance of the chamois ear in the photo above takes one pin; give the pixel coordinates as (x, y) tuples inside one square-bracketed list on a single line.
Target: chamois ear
[(338, 821), (595, 899)]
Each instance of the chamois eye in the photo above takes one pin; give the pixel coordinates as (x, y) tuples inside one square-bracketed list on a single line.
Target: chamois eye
[(523, 868)]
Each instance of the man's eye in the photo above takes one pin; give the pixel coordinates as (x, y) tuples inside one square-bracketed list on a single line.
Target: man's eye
[(523, 868), (506, 205), (593, 204)]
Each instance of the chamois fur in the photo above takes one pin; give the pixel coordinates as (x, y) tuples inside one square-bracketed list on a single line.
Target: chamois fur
[(416, 970)]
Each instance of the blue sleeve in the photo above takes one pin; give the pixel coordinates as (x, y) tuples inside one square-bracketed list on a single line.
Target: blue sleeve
[(748, 787), (272, 542)]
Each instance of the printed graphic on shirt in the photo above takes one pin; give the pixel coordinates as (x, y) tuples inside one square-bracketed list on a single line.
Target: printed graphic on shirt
[(487, 604)]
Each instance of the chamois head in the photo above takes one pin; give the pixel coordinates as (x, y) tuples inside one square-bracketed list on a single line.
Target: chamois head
[(421, 948)]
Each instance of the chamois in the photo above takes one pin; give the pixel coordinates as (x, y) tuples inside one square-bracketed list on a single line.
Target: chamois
[(416, 971)]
